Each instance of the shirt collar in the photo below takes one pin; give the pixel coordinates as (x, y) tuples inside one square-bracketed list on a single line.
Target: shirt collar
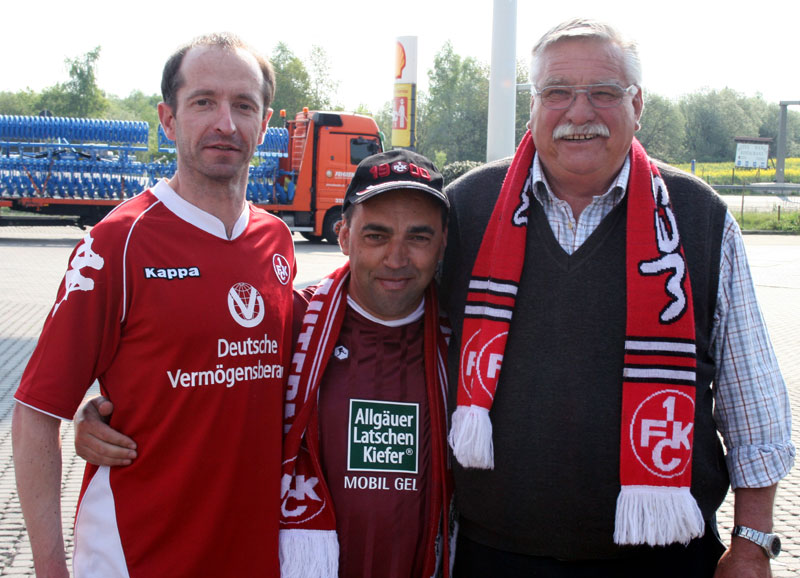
[(196, 216), (544, 194), (416, 315)]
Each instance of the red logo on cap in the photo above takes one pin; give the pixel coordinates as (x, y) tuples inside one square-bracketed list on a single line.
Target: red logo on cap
[(399, 167)]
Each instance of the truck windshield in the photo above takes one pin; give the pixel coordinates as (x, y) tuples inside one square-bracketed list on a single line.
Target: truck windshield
[(361, 148)]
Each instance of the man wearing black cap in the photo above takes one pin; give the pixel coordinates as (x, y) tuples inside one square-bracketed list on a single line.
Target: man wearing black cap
[(365, 479)]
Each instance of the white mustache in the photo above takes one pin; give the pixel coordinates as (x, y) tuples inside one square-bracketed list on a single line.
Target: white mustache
[(588, 129)]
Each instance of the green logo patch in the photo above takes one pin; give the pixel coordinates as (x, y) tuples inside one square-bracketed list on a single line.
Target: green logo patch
[(383, 436)]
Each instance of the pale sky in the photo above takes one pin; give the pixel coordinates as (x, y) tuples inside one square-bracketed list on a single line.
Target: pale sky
[(685, 45)]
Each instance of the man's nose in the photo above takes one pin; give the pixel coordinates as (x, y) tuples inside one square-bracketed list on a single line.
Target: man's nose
[(224, 121), (581, 108), (396, 255)]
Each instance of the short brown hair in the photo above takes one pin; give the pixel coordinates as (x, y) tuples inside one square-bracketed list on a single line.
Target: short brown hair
[(172, 80)]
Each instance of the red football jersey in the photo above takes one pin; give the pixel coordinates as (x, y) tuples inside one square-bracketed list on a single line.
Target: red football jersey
[(189, 335)]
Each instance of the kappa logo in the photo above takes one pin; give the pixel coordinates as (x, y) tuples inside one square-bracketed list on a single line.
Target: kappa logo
[(170, 273), (661, 432), (74, 279), (341, 353), (246, 305), (282, 268), (670, 259), (485, 363)]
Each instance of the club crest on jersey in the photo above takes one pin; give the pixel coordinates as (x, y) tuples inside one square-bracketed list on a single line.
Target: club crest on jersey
[(670, 259), (482, 364), (660, 432), (341, 353), (246, 305), (85, 257), (282, 268)]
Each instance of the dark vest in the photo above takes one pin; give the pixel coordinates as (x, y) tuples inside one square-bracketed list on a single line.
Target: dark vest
[(556, 414)]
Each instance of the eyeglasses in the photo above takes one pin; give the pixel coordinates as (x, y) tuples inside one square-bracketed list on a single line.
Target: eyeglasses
[(559, 97)]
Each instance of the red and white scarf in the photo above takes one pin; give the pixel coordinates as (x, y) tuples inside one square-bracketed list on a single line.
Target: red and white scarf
[(655, 505), (308, 543)]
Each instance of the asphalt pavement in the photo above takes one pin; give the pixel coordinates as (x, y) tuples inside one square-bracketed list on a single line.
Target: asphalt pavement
[(33, 261)]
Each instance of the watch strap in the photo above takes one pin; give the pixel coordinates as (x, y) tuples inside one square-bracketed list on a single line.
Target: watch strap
[(769, 542)]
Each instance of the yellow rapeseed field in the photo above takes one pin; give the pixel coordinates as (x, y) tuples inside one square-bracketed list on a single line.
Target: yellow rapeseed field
[(727, 174)]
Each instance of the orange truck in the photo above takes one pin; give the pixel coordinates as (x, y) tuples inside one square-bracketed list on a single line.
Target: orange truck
[(84, 167), (324, 150)]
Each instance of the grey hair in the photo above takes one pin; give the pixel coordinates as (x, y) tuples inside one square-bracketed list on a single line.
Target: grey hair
[(588, 29)]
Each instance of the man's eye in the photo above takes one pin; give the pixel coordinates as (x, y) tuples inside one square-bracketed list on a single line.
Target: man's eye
[(605, 93), (557, 93)]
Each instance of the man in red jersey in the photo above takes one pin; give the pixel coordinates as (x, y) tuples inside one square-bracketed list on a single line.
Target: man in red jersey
[(366, 489), (165, 304)]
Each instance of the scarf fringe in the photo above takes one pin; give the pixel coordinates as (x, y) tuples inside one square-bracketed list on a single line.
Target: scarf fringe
[(471, 437), (309, 554), (657, 516)]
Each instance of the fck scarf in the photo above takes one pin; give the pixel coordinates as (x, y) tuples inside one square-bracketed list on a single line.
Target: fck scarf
[(654, 505), (309, 546)]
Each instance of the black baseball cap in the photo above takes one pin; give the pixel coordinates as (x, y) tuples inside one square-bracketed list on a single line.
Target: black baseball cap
[(392, 170)]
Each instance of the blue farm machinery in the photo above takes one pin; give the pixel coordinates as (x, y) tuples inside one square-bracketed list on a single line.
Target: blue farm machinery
[(84, 167)]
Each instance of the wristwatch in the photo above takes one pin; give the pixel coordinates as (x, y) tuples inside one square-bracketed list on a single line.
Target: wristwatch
[(770, 542)]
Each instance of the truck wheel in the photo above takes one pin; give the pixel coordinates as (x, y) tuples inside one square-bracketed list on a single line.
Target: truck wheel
[(311, 237), (330, 230)]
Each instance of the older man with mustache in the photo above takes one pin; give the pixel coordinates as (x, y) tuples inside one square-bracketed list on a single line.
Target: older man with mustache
[(605, 331)]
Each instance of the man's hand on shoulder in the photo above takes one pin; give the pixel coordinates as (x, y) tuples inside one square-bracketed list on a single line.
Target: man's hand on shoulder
[(98, 443)]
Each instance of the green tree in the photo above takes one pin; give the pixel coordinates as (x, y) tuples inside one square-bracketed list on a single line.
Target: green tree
[(663, 132), (770, 119), (452, 117), (713, 119), (293, 83), (323, 86), (84, 96), (79, 96), (25, 103)]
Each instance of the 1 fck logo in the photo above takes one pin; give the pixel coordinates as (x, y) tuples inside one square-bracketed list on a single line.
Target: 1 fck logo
[(661, 432), (482, 364)]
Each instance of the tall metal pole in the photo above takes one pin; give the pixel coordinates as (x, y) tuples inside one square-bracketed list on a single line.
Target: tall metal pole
[(780, 160), (781, 152), (502, 81)]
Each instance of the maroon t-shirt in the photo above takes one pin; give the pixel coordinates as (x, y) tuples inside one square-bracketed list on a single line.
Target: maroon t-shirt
[(375, 446)]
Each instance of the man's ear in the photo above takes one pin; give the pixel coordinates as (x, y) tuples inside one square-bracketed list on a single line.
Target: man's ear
[(167, 118), (638, 107), (264, 125), (344, 238)]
